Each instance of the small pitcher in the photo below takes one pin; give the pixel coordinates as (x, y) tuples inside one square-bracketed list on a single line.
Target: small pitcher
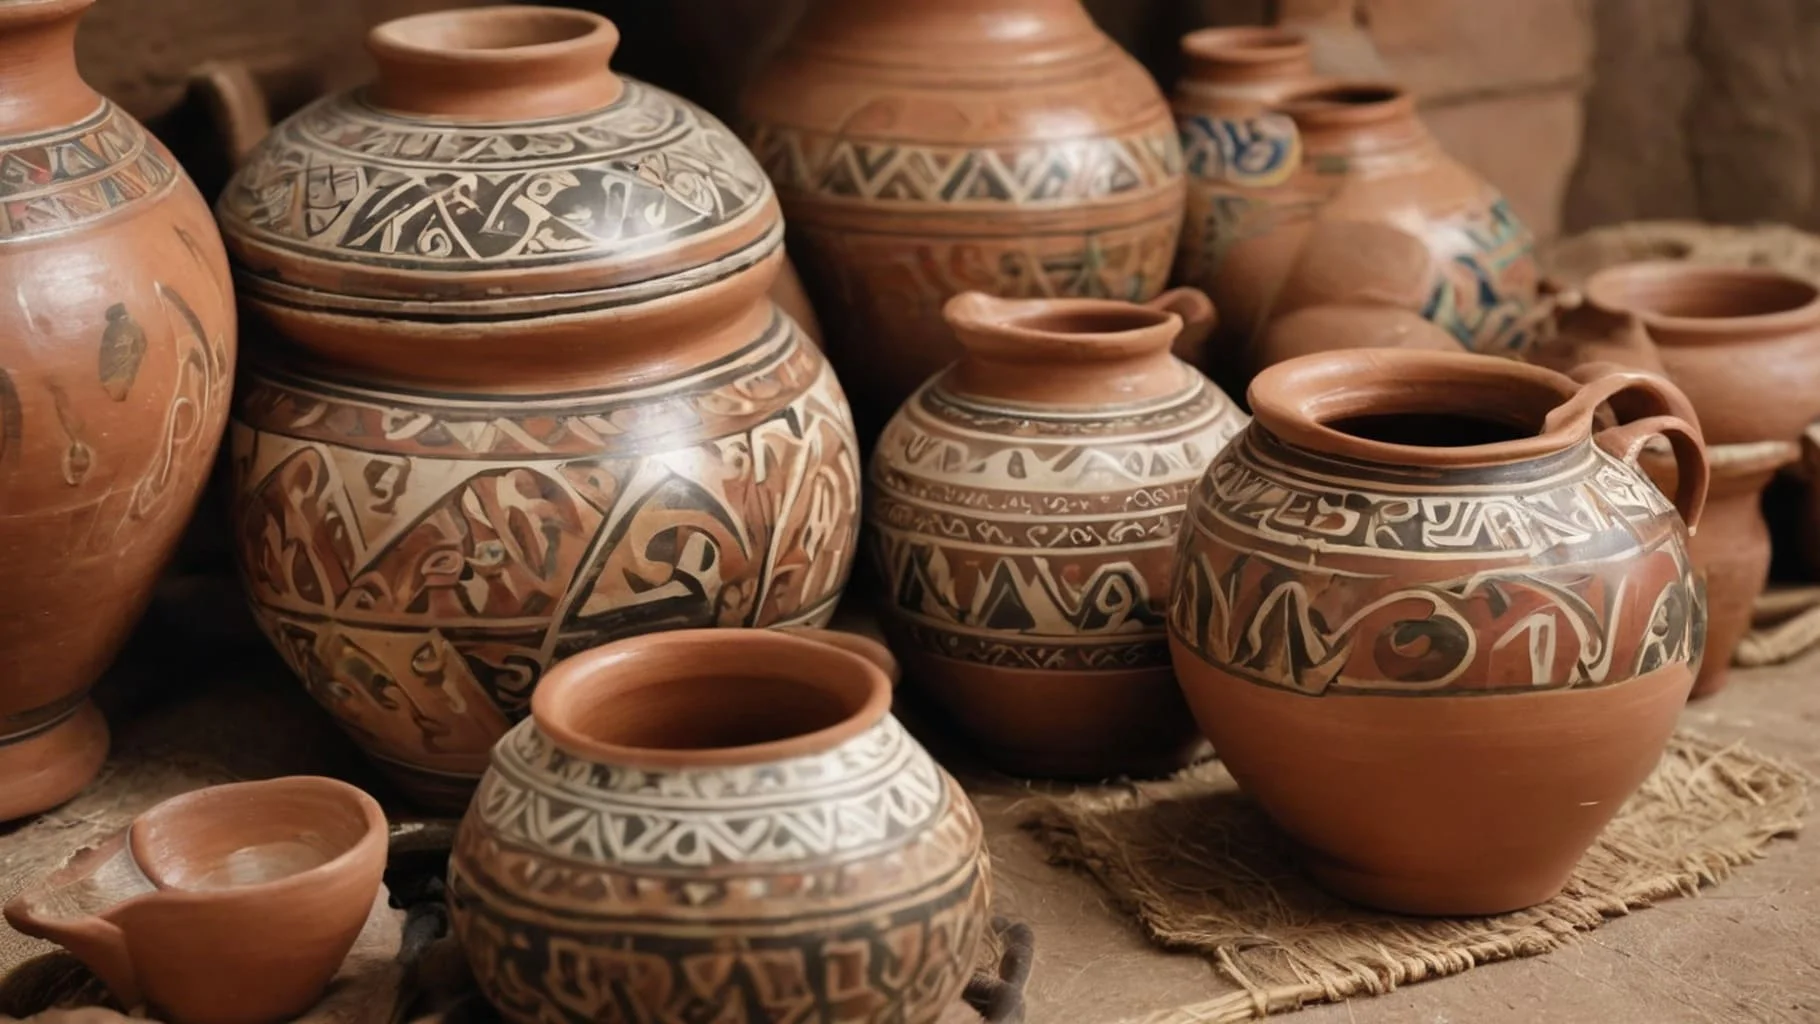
[(230, 905)]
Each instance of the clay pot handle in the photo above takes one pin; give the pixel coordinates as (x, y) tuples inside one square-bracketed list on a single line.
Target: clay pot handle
[(853, 643), (236, 104), (1199, 318), (1659, 410)]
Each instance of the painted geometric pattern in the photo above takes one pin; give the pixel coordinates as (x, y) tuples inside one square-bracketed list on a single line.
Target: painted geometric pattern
[(342, 179), (1031, 539), (1484, 292), (857, 800), (1247, 152), (1029, 174), (71, 176), (420, 559), (1292, 578)]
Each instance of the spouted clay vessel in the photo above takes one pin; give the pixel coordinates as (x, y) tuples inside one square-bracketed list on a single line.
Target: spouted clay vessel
[(229, 905), (1437, 625), (1024, 506), (718, 825), (532, 395), (116, 363), (926, 149)]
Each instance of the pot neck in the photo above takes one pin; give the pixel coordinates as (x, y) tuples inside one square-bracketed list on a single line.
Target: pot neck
[(896, 31), (495, 64), (1354, 120), (40, 88), (1682, 304), (1063, 352), (1251, 60)]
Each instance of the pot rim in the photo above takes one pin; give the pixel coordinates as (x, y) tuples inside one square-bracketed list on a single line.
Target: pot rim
[(1338, 103), (1604, 290), (1245, 45), (410, 37), (582, 684)]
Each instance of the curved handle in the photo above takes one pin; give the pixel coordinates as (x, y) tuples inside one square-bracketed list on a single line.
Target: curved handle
[(853, 643), (1647, 406), (236, 104), (1199, 318)]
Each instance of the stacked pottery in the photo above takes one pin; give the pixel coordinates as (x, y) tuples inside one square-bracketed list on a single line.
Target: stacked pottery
[(926, 149), (1434, 623), (116, 362), (718, 825), (1744, 345), (1023, 508), (526, 393)]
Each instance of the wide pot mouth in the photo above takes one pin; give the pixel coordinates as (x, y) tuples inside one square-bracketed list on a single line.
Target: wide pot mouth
[(1416, 408), (1245, 45), (1058, 330), (698, 698), (1695, 303), (251, 836), (494, 35), (1347, 103)]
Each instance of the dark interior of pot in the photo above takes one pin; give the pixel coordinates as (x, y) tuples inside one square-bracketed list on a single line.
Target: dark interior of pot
[(232, 836), (1703, 293), (1429, 429), (716, 712), (1340, 96), (1090, 321)]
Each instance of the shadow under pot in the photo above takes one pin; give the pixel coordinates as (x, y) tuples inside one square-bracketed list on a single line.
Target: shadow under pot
[(718, 825), (1022, 511), (524, 392), (1437, 625)]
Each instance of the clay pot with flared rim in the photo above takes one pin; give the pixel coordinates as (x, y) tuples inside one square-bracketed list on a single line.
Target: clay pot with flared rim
[(1731, 550), (733, 805), (1377, 215), (233, 904), (1435, 624), (1023, 507), (923, 150), (117, 345), (526, 392)]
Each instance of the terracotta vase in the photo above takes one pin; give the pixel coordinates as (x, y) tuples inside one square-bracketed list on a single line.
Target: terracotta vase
[(1376, 217), (116, 357), (228, 905), (720, 825), (923, 150), (1434, 623), (1023, 508), (527, 392)]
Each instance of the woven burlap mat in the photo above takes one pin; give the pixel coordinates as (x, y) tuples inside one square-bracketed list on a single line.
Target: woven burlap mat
[(1203, 871)]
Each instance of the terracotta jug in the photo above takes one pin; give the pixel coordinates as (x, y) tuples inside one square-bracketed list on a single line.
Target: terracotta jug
[(1023, 509), (229, 905), (1236, 151), (720, 825), (923, 150), (116, 362), (1378, 222), (1434, 623), (531, 395)]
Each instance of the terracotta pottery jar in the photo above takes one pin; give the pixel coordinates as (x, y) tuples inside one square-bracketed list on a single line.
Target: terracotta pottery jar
[(229, 905), (532, 396), (1023, 508), (1378, 218), (720, 825), (926, 149), (1434, 623), (1235, 150), (116, 363)]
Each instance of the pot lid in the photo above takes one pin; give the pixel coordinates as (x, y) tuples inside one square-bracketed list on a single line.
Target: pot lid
[(496, 167)]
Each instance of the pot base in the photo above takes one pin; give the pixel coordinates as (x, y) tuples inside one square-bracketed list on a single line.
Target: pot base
[(1083, 726), (49, 767)]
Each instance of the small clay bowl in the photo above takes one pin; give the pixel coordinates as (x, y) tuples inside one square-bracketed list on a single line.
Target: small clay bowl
[(230, 905)]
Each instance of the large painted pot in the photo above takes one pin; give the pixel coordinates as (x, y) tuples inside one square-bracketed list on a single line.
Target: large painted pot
[(528, 395), (926, 149), (117, 343), (1023, 509), (1434, 624), (720, 825)]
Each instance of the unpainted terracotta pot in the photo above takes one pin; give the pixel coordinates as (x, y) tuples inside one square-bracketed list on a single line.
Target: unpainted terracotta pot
[(1023, 508), (1434, 624), (923, 150), (1731, 550), (116, 360), (1377, 216), (531, 395), (229, 905), (718, 825)]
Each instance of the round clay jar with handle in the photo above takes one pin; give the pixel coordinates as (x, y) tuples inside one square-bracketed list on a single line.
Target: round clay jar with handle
[(524, 391), (1023, 508), (1378, 219), (926, 149), (1435, 623), (718, 825), (117, 343)]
